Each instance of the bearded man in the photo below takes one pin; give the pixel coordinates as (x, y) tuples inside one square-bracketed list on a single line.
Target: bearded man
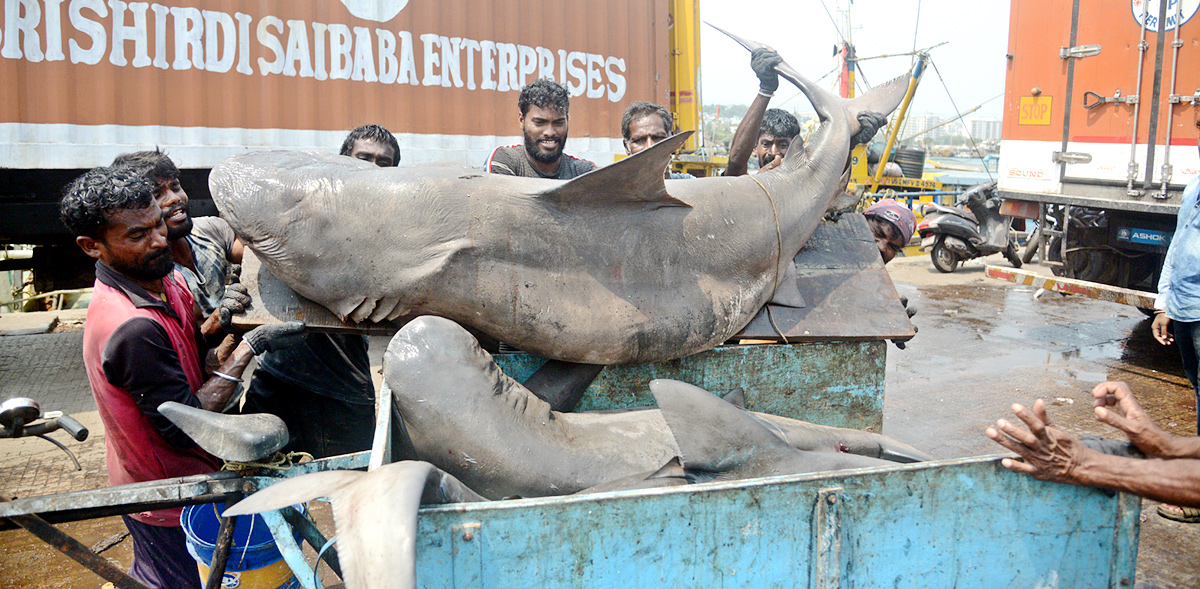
[(544, 107)]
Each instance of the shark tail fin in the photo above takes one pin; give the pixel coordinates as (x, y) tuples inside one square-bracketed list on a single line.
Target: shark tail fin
[(365, 506), (882, 99), (626, 180), (713, 435)]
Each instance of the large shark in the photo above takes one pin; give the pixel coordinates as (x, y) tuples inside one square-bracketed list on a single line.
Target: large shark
[(482, 430), (468, 418), (614, 266)]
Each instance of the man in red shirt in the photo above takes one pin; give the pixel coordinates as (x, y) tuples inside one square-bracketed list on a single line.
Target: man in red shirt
[(141, 347)]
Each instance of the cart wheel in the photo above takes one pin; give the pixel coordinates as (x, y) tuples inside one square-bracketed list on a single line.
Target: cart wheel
[(943, 259), (1010, 254)]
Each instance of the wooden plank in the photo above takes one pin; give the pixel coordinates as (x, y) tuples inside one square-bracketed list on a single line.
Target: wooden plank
[(848, 293)]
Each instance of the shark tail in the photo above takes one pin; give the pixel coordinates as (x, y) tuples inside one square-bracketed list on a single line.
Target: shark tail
[(295, 490), (366, 507), (830, 108)]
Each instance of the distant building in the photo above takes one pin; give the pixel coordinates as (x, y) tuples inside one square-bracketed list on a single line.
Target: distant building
[(985, 129), (917, 124)]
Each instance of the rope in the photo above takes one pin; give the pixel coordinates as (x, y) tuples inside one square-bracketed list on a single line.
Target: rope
[(974, 147), (278, 461), (320, 553), (778, 257)]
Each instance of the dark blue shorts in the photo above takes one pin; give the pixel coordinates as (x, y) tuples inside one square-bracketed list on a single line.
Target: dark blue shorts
[(160, 556)]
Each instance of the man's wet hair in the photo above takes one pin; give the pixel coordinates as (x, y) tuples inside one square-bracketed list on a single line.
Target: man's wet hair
[(99, 192), (642, 109), (779, 123), (152, 165), (544, 93), (372, 133)]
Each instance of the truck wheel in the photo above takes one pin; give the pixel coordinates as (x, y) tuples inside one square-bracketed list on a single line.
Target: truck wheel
[(1089, 265), (1010, 253), (1031, 246), (943, 259)]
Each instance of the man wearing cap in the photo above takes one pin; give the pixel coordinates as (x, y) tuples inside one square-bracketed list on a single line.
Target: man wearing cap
[(892, 224)]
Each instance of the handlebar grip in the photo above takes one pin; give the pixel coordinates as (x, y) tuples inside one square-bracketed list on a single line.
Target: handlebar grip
[(73, 427)]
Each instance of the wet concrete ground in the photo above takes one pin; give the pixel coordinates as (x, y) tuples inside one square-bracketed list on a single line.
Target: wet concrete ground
[(982, 345)]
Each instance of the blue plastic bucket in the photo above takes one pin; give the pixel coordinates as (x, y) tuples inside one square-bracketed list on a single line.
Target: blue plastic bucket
[(254, 560)]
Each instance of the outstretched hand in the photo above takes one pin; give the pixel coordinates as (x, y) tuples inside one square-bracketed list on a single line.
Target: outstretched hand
[(763, 61), (1049, 453), (1130, 418)]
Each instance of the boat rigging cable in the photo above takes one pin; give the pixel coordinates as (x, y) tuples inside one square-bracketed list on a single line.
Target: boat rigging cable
[(916, 26), (970, 137), (862, 77)]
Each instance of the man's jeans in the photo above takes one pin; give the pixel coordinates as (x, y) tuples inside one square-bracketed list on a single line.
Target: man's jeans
[(1187, 338)]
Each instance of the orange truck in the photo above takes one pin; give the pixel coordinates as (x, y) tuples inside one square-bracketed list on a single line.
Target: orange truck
[(82, 81), (1098, 138)]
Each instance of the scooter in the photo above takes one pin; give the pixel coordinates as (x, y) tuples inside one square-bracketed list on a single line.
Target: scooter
[(954, 234)]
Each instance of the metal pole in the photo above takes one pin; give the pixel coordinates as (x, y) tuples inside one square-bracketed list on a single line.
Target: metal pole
[(313, 536), (918, 69), (1155, 94), (76, 550), (1133, 167), (1177, 45)]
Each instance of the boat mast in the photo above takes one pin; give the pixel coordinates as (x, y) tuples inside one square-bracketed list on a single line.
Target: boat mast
[(848, 60)]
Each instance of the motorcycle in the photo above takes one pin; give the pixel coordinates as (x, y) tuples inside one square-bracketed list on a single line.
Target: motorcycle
[(972, 229)]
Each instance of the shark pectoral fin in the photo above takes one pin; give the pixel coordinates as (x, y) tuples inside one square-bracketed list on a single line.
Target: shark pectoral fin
[(894, 451), (672, 474), (787, 293), (443, 488), (637, 179), (296, 490)]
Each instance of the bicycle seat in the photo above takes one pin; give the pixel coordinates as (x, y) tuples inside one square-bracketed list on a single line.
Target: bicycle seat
[(235, 438)]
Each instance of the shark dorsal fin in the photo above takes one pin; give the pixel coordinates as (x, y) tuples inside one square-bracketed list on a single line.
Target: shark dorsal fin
[(713, 435), (637, 179), (673, 469), (736, 397)]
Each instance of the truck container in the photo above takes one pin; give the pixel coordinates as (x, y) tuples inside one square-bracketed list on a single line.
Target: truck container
[(82, 81), (1098, 137)]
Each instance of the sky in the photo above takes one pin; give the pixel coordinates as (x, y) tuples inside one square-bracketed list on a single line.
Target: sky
[(971, 63)]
